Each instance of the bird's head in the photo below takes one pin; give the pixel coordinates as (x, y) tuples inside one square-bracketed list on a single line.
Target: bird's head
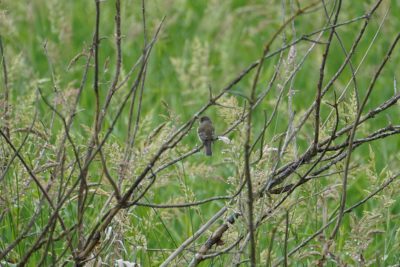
[(204, 118)]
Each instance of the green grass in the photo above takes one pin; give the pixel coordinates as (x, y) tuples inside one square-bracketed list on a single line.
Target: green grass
[(202, 44)]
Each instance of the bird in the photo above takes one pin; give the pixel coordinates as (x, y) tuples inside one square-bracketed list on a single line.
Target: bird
[(206, 134)]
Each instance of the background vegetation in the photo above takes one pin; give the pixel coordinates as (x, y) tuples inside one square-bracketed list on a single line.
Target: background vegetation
[(201, 47)]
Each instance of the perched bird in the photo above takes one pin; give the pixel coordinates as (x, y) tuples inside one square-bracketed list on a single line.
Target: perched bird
[(206, 134)]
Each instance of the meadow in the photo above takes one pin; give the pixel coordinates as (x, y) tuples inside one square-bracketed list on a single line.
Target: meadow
[(101, 165)]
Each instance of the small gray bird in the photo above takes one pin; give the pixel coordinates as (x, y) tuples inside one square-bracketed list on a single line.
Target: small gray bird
[(206, 134)]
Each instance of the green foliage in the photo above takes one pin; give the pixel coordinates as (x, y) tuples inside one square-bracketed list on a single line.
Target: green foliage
[(202, 47)]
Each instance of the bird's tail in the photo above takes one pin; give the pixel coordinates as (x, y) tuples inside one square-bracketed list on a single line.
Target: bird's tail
[(207, 147)]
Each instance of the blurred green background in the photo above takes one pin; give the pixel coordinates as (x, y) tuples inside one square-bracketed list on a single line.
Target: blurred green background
[(202, 45)]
